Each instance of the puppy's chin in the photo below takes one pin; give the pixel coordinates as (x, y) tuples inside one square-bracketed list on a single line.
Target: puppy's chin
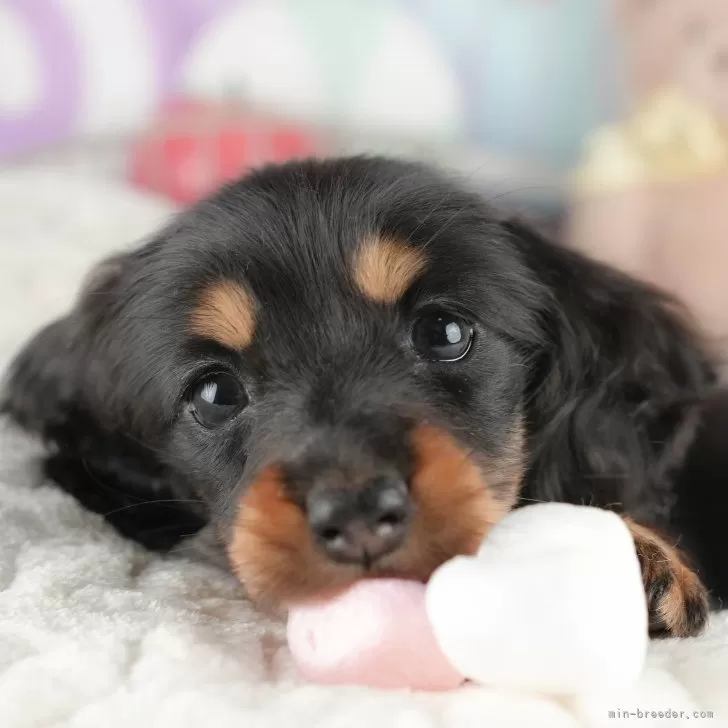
[(456, 500)]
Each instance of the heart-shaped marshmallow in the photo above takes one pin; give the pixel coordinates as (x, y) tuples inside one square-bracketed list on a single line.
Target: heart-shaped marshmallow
[(553, 602)]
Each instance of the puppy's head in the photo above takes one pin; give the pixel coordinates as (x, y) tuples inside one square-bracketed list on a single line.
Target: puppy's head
[(338, 357)]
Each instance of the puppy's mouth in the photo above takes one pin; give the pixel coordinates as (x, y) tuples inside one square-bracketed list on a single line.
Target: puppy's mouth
[(452, 500)]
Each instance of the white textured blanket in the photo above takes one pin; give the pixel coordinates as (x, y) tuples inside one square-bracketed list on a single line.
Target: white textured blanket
[(95, 632)]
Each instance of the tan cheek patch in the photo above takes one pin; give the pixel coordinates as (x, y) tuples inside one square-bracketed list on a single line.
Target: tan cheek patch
[(456, 503), (226, 314), (385, 269), (271, 550)]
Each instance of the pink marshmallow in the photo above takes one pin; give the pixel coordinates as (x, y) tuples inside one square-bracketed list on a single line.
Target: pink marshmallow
[(375, 634)]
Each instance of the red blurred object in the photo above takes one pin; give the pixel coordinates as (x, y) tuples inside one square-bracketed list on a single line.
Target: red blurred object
[(195, 146)]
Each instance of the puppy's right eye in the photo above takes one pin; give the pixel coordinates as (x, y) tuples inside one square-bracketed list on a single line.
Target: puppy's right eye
[(216, 399), (442, 336)]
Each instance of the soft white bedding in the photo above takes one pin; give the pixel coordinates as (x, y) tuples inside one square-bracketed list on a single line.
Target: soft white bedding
[(95, 632)]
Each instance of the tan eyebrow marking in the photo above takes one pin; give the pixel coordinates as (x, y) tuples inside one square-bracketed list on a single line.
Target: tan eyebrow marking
[(384, 269), (226, 314)]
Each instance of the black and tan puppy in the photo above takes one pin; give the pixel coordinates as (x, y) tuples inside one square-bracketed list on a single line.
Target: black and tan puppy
[(354, 367)]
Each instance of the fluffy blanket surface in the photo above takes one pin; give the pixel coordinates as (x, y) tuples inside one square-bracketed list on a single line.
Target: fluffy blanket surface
[(95, 632)]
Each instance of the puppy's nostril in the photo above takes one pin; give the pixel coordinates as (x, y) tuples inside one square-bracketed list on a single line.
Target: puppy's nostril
[(330, 534), (391, 507), (392, 518)]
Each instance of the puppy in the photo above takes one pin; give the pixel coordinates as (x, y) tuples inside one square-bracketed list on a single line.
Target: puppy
[(352, 368)]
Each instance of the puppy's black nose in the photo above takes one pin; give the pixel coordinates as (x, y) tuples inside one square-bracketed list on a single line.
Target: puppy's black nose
[(359, 526)]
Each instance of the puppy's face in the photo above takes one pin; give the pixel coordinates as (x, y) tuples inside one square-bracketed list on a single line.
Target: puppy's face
[(333, 355), (361, 420)]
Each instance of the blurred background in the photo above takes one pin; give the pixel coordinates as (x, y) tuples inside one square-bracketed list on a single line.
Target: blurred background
[(602, 119), (504, 89)]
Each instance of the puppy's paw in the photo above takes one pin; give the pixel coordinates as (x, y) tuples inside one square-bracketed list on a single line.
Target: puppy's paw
[(677, 601)]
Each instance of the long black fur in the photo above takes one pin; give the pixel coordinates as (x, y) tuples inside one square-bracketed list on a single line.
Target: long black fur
[(612, 384)]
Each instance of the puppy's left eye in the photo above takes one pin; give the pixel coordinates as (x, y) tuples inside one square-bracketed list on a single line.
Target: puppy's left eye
[(442, 336), (217, 398)]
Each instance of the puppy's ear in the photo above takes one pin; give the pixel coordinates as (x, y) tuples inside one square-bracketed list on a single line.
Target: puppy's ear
[(45, 385), (40, 384), (615, 385)]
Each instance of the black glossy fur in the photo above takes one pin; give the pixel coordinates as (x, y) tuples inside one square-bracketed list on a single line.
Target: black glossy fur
[(610, 381)]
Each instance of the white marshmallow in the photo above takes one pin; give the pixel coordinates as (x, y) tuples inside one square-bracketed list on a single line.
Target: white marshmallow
[(553, 602)]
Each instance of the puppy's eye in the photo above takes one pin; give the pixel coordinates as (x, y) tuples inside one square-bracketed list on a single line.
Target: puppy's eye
[(217, 398), (442, 336)]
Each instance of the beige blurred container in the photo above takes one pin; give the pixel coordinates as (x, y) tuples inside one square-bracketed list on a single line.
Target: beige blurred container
[(651, 193)]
